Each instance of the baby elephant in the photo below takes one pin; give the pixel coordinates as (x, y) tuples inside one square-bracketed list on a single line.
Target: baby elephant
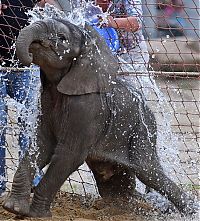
[(88, 114)]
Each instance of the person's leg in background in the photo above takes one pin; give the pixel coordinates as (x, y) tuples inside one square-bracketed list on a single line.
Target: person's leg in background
[(3, 124), (24, 86), (25, 89)]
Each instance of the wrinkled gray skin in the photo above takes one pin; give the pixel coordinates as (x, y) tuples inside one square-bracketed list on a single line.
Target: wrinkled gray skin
[(87, 115)]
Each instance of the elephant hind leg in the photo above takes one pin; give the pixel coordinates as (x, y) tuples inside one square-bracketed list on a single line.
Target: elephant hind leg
[(113, 180), (148, 170), (143, 158), (155, 178)]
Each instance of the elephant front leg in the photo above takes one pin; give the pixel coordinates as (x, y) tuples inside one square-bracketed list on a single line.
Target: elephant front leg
[(18, 200), (63, 163)]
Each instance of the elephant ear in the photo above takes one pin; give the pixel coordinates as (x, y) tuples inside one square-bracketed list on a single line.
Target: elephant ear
[(93, 70)]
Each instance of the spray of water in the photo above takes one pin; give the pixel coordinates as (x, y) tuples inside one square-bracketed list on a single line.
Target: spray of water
[(86, 12), (167, 142)]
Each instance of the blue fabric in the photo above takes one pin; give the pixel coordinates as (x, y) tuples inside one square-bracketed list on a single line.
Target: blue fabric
[(21, 86), (109, 34)]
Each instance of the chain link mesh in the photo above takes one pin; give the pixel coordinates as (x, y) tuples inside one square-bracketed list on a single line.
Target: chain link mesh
[(171, 30)]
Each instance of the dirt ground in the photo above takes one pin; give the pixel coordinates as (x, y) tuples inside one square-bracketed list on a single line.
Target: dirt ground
[(75, 208), (68, 207)]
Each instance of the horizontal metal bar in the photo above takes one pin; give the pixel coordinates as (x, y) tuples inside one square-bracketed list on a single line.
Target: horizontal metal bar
[(18, 69), (161, 73), (157, 73)]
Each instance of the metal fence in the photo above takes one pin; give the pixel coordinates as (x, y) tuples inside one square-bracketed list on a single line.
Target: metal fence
[(172, 94)]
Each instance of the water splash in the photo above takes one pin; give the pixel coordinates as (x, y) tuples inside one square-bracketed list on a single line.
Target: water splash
[(86, 12), (166, 140)]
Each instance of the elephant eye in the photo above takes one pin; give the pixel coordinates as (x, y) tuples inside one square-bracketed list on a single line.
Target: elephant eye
[(62, 37)]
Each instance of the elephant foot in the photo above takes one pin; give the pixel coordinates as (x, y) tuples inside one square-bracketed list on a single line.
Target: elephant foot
[(39, 213), (17, 205)]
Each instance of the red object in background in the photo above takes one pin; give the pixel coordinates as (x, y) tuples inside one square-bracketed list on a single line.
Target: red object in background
[(103, 4)]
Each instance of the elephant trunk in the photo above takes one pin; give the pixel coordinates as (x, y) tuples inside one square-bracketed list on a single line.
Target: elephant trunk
[(26, 37)]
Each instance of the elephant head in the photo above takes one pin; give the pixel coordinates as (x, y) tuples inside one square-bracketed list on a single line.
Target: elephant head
[(77, 60)]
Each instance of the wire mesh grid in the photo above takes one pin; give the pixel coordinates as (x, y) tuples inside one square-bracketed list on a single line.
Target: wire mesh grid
[(172, 40), (182, 98)]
